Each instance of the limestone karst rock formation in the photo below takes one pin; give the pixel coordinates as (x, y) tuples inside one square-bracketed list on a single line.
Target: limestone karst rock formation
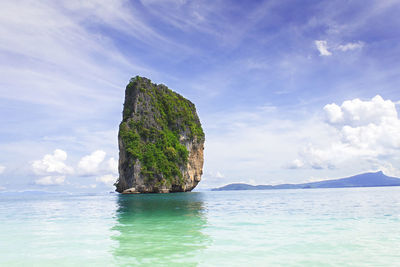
[(160, 139)]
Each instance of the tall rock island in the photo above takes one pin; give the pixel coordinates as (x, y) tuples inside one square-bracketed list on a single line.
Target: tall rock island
[(160, 139)]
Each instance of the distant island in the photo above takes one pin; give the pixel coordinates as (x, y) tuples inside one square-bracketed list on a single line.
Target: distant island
[(370, 179)]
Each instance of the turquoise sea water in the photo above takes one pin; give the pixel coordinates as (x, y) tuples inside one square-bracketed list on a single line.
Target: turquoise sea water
[(319, 227)]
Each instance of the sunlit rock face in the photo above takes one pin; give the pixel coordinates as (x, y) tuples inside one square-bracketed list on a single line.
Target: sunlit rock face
[(160, 139)]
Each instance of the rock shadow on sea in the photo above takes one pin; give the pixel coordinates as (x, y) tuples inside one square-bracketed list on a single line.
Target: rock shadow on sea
[(160, 229)]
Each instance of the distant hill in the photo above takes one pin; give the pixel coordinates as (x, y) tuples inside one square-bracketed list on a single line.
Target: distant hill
[(362, 180)]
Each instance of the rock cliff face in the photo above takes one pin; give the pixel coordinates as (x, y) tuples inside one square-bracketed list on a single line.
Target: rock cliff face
[(161, 141)]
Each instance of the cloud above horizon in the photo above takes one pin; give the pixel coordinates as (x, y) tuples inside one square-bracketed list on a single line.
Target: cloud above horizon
[(52, 164), (107, 179), (89, 165), (50, 180), (53, 167), (322, 47), (261, 74), (351, 46), (2, 169), (113, 165), (366, 131), (54, 170)]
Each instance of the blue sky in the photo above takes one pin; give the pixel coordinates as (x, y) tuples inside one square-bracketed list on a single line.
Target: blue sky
[(287, 91)]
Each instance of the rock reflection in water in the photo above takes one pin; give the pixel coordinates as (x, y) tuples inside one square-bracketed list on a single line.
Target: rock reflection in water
[(161, 229)]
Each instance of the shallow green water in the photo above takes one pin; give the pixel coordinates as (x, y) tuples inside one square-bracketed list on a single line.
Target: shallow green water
[(322, 227)]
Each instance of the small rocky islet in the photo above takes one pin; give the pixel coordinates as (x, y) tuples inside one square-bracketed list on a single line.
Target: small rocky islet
[(160, 140)]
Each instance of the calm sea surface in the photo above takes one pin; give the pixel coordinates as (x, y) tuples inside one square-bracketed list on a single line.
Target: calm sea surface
[(316, 227)]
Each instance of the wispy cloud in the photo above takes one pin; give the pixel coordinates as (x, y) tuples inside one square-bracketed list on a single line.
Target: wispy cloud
[(350, 46), (258, 139), (2, 169), (50, 180), (66, 61), (322, 47), (64, 66)]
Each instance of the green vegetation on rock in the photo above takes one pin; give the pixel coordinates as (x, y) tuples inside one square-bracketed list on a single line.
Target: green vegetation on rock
[(156, 122)]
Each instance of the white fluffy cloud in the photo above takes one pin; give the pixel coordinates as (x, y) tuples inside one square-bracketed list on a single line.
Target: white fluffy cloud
[(107, 179), (50, 180), (350, 46), (2, 168), (367, 132), (89, 164), (322, 47), (52, 164), (369, 125), (360, 113), (54, 167)]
